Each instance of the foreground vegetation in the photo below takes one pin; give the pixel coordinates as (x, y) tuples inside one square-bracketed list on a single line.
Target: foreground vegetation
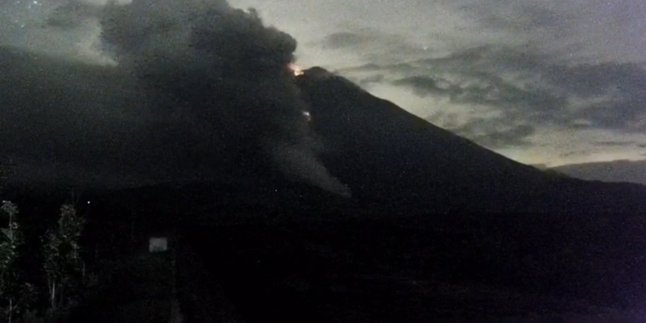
[(315, 260), (21, 288)]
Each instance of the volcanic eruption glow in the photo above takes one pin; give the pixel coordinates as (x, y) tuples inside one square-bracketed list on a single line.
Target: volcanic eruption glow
[(297, 70), (308, 116)]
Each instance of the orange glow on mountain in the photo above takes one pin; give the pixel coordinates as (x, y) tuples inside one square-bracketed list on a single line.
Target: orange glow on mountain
[(296, 70)]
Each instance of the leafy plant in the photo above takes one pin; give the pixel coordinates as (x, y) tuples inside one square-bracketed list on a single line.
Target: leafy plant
[(62, 261), (10, 240)]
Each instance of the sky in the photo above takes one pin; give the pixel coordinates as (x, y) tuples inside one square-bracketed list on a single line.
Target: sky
[(542, 82)]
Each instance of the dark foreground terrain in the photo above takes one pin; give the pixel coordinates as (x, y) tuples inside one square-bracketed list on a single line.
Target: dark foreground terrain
[(347, 264), (436, 228), (379, 271)]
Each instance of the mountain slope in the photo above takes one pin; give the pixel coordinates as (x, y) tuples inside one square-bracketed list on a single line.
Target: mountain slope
[(285, 251), (387, 155), (612, 171)]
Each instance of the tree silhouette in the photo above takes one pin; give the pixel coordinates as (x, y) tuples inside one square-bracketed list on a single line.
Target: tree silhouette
[(63, 264), (10, 240)]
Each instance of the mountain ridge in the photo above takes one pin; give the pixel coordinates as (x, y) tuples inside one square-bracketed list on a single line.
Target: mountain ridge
[(384, 152), (615, 171), (436, 227)]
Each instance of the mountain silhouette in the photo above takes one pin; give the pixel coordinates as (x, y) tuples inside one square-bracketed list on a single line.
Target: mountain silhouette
[(436, 227), (615, 171), (389, 156)]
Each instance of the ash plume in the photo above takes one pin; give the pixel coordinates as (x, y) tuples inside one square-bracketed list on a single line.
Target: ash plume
[(198, 87)]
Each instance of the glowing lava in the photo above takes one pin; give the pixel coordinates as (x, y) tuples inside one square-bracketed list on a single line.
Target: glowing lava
[(308, 116), (297, 70)]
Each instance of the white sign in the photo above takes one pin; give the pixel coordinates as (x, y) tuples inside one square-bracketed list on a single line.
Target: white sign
[(158, 244)]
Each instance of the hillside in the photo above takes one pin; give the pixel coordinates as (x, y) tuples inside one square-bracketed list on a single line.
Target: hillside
[(388, 155), (436, 228), (266, 249), (625, 171)]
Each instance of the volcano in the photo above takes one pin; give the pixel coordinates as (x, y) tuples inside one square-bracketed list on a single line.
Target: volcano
[(390, 157), (435, 227), (218, 182)]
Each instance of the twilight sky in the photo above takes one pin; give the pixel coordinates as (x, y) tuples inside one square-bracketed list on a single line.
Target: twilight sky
[(549, 82), (543, 82)]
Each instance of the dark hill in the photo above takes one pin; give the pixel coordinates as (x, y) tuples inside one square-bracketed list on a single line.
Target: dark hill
[(389, 156), (616, 171), (437, 228)]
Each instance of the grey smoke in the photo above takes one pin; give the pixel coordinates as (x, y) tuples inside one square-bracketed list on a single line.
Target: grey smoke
[(198, 87)]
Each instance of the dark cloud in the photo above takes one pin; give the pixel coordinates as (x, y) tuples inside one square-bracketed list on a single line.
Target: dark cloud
[(494, 134), (372, 46), (199, 88), (622, 88), (343, 40), (366, 82), (530, 87), (426, 86), (514, 101), (513, 16), (377, 68)]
